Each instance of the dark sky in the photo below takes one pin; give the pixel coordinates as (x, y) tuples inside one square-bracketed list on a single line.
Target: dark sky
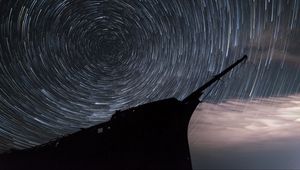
[(67, 64)]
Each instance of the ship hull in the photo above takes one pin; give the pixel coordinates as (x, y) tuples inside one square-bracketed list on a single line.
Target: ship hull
[(149, 137)]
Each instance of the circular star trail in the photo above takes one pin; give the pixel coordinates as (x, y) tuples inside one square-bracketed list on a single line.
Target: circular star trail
[(68, 64)]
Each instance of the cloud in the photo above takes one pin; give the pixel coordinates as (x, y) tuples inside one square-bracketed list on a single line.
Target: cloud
[(262, 133)]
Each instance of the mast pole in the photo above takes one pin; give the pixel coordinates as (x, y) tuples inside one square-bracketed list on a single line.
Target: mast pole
[(196, 94)]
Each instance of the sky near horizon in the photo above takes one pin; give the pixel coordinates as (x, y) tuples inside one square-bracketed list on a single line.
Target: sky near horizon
[(261, 134)]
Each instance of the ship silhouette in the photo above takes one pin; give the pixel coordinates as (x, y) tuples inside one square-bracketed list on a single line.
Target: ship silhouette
[(149, 136)]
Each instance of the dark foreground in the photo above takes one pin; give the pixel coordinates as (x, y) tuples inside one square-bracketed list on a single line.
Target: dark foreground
[(152, 136)]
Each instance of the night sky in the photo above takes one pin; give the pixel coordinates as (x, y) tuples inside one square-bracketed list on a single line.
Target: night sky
[(69, 64)]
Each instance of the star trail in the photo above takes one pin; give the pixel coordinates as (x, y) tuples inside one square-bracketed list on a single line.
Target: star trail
[(70, 64)]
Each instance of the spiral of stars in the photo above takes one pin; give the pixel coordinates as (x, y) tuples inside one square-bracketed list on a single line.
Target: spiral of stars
[(68, 64)]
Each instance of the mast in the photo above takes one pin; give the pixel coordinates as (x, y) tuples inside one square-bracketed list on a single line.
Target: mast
[(197, 93)]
